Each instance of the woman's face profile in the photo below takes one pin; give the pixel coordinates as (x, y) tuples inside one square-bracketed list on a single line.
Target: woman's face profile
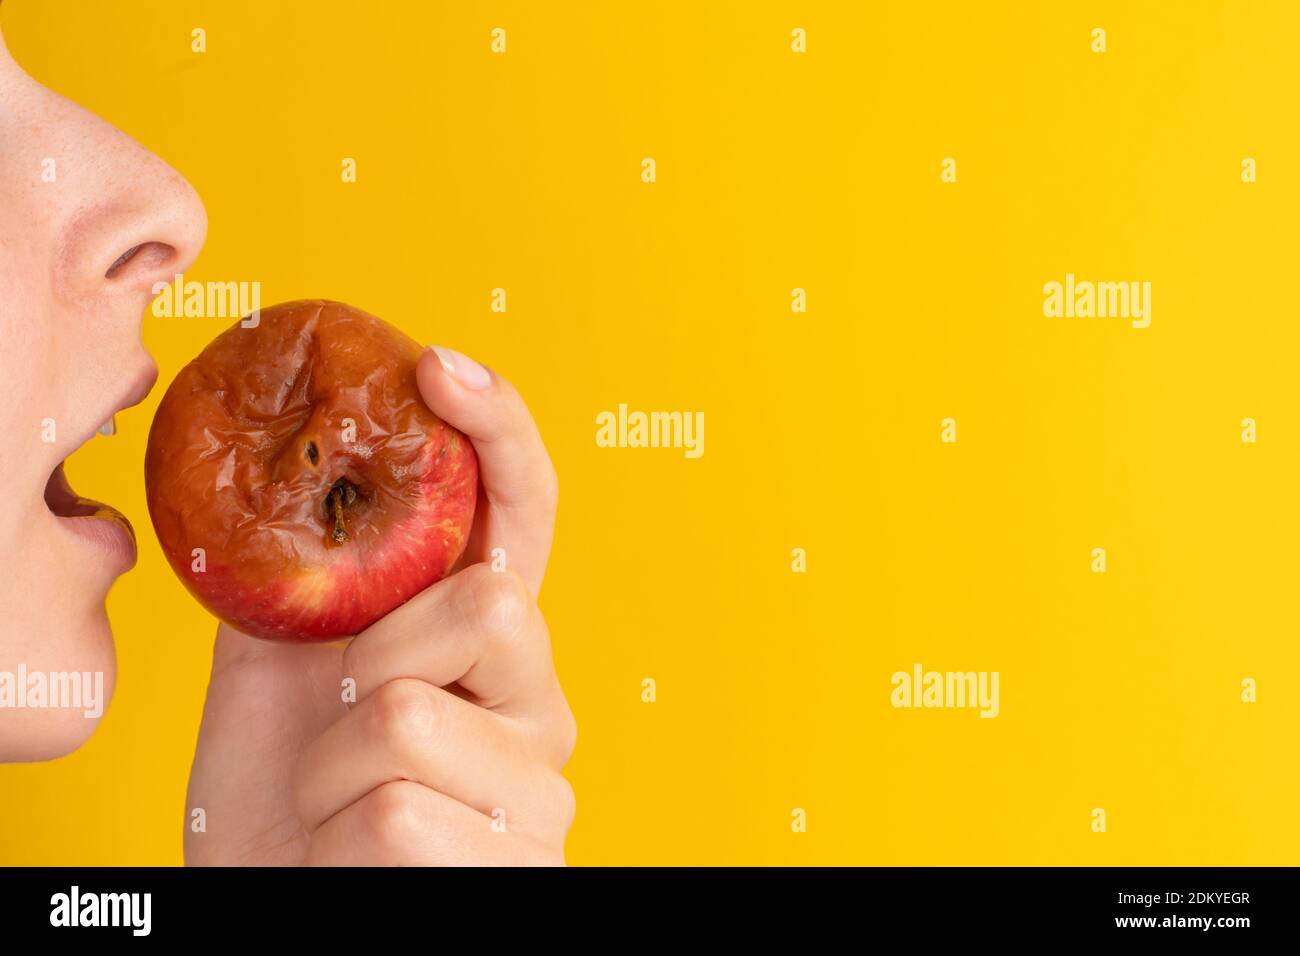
[(89, 221)]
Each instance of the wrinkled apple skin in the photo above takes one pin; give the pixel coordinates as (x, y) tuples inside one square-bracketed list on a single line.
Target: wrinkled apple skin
[(229, 470)]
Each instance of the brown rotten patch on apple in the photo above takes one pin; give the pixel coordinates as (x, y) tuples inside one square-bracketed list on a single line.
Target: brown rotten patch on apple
[(342, 494), (299, 485)]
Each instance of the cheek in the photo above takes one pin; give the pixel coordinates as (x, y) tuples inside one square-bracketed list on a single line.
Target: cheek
[(33, 384), (30, 338)]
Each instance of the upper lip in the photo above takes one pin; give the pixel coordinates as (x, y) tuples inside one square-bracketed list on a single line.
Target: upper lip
[(139, 389), (135, 392)]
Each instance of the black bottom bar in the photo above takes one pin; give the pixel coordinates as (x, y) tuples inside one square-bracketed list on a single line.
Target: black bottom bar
[(987, 905)]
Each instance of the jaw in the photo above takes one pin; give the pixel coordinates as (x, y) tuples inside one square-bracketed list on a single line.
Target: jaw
[(54, 623)]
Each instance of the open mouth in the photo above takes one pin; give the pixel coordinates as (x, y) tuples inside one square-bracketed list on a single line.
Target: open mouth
[(101, 522), (63, 501), (101, 525)]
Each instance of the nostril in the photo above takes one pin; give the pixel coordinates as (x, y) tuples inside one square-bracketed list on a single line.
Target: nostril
[(145, 255), (122, 260)]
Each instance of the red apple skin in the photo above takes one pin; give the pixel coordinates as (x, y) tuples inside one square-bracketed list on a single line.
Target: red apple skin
[(229, 470)]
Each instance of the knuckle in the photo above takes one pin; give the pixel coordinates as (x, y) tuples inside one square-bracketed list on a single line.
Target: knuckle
[(406, 711), (397, 815), (501, 605), (553, 739), (567, 735), (566, 802)]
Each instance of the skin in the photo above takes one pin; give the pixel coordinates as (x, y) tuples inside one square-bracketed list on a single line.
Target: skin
[(451, 751)]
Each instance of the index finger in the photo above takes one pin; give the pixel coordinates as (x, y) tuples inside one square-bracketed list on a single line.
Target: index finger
[(520, 490)]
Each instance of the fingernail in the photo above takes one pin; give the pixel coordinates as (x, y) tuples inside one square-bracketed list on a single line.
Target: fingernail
[(463, 368)]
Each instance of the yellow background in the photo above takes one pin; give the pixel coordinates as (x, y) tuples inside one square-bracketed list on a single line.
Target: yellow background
[(775, 171)]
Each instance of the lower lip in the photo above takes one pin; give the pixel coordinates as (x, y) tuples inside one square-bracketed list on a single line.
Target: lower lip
[(111, 535)]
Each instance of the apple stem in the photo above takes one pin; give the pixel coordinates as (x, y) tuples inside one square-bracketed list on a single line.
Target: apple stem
[(336, 504)]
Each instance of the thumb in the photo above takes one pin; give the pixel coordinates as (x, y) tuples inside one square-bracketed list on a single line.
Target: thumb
[(519, 483)]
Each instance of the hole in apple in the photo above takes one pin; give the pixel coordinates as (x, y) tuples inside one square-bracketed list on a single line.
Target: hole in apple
[(341, 494)]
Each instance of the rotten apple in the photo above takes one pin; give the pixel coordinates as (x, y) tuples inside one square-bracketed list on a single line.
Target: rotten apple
[(300, 487)]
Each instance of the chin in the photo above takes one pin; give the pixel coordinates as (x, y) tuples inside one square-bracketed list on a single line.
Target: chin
[(82, 647)]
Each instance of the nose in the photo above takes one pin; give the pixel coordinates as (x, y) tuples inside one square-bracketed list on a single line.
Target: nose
[(136, 221), (113, 218)]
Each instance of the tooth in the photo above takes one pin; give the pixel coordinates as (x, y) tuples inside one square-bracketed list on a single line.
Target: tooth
[(109, 427)]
